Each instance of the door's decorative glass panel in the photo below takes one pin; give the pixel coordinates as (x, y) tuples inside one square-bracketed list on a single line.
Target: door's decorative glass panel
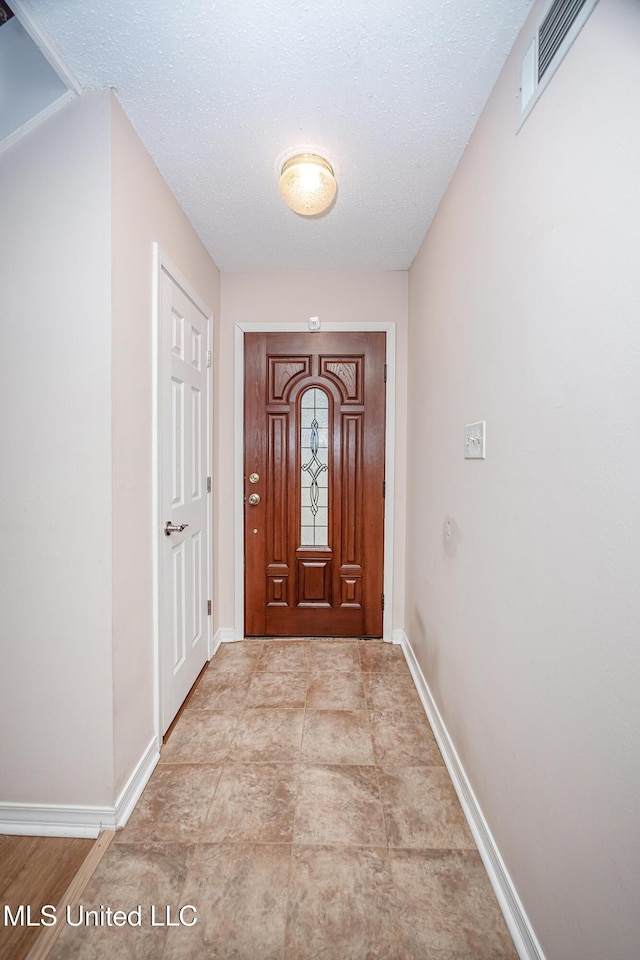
[(314, 456)]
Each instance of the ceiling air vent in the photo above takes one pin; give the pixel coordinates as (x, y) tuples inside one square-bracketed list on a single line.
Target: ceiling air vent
[(560, 25)]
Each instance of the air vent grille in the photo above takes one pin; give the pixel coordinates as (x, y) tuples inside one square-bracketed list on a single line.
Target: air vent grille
[(559, 26), (528, 79), (553, 30)]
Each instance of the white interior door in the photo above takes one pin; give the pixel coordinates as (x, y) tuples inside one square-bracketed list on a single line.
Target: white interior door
[(184, 533)]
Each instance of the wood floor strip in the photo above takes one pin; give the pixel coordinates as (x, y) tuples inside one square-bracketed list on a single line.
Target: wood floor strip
[(48, 936), (34, 871)]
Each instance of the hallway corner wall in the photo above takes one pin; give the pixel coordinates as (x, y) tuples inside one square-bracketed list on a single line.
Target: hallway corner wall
[(55, 483), (80, 208), (143, 211)]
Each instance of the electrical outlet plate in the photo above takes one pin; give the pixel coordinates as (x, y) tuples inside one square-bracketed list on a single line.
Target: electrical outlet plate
[(474, 441)]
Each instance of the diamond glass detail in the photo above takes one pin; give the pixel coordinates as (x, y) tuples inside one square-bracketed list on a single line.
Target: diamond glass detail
[(314, 456)]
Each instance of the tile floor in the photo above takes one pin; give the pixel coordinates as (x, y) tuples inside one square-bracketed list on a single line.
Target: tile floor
[(302, 806)]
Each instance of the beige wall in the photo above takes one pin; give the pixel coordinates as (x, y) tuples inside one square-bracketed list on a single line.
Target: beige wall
[(143, 210), (55, 483), (80, 207), (292, 298), (524, 311)]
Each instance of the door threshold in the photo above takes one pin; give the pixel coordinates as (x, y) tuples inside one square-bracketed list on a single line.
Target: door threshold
[(311, 637)]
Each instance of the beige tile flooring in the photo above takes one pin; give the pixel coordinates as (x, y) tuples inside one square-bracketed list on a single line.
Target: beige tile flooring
[(302, 806)]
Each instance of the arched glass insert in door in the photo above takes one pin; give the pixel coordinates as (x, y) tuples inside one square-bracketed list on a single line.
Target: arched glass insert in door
[(314, 457)]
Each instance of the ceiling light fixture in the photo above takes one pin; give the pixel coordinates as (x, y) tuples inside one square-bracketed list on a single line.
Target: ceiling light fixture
[(307, 184)]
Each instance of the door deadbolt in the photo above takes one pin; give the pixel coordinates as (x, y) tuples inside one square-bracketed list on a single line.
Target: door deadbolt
[(254, 499), (254, 477)]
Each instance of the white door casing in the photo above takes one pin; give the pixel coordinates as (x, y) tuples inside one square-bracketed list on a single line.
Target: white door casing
[(183, 421), (237, 632)]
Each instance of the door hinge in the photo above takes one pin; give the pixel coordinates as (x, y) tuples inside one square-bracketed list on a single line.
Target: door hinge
[(208, 484), (208, 608), (385, 373), (209, 358), (384, 489), (382, 598)]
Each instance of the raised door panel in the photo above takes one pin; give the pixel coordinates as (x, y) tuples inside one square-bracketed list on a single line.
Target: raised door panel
[(314, 583), (284, 372), (348, 374), (277, 519)]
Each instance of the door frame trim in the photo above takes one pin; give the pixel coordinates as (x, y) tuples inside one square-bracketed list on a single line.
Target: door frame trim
[(161, 262), (390, 428)]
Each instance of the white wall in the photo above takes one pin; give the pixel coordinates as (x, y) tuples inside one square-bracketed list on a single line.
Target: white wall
[(55, 481), (143, 210), (524, 311), (290, 297)]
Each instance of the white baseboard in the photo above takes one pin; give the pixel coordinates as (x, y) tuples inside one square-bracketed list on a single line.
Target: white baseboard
[(54, 820), (222, 635), (520, 928), (136, 783), (71, 820), (214, 643)]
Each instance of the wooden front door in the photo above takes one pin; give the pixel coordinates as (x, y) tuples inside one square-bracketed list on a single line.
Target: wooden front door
[(314, 483)]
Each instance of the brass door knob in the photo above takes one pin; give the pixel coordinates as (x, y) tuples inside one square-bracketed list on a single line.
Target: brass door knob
[(254, 499)]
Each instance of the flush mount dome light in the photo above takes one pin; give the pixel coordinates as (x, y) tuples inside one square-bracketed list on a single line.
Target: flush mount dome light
[(307, 184)]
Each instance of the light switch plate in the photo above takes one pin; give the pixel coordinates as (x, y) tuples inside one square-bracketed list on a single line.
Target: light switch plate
[(474, 441)]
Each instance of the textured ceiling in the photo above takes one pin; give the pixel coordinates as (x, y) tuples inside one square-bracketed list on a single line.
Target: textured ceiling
[(388, 90)]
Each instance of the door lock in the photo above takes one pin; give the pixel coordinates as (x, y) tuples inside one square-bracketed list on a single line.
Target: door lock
[(170, 528), (254, 499), (254, 477)]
